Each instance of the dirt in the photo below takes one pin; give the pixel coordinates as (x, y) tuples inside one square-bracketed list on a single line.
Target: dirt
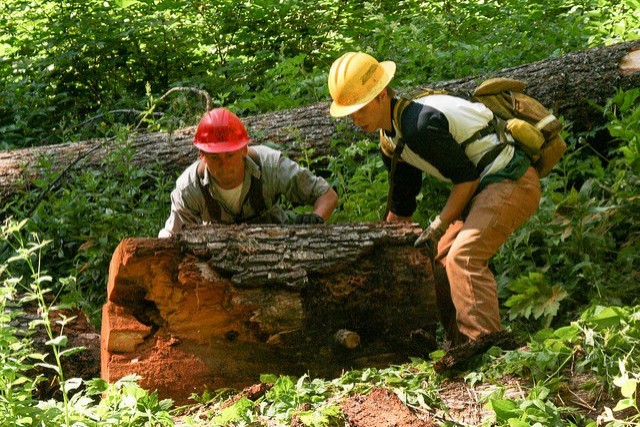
[(380, 408)]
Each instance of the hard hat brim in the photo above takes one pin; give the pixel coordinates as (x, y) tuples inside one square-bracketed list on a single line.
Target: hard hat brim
[(337, 110), (221, 147)]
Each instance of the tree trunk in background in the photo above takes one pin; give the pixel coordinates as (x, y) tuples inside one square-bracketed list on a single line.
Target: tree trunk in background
[(218, 306), (565, 84)]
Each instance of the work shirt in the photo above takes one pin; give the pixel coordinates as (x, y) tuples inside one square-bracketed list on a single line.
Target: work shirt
[(433, 128), (279, 176)]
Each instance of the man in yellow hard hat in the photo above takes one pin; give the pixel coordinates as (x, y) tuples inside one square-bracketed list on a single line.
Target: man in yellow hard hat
[(234, 183), (494, 187)]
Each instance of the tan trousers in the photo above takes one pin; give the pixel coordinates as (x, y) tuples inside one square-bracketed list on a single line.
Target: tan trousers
[(466, 290)]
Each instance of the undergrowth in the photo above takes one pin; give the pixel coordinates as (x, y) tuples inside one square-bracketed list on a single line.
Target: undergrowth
[(569, 284)]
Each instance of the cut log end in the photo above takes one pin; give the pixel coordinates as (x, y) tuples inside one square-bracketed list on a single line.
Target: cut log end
[(347, 339), (630, 63)]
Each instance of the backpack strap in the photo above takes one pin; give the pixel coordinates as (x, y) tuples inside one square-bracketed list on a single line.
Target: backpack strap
[(215, 212), (497, 126), (397, 152), (255, 196), (487, 130)]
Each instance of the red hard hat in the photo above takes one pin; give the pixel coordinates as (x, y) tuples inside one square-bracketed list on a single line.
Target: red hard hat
[(220, 131)]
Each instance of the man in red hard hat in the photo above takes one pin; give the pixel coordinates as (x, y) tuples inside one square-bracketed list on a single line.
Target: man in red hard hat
[(233, 183)]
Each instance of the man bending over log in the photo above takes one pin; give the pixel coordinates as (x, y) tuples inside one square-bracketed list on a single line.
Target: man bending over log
[(489, 199), (233, 183)]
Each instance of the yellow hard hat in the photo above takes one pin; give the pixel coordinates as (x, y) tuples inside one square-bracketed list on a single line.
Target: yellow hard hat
[(355, 79)]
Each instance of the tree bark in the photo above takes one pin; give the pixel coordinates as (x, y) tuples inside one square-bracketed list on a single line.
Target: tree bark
[(218, 306), (565, 84)]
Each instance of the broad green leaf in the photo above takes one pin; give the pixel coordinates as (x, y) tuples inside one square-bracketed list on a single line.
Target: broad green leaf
[(628, 389), (505, 409), (59, 341), (70, 351), (605, 318), (235, 412), (50, 366), (624, 404)]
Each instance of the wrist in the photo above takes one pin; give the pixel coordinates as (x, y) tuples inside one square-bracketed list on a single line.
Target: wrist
[(438, 224)]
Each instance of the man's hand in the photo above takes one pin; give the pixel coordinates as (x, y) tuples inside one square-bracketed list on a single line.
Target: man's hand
[(431, 236), (308, 218), (392, 217)]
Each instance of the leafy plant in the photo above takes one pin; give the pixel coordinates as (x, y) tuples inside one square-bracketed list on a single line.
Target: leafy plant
[(126, 403), (534, 297), (585, 233), (90, 214), (72, 70), (16, 385), (628, 384)]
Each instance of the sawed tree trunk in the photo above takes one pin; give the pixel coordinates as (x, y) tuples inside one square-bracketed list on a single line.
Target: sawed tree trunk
[(218, 306)]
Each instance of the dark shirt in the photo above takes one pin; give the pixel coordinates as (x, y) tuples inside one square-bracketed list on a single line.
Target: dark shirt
[(425, 131)]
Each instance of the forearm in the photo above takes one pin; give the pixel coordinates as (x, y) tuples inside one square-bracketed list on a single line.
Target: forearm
[(460, 195), (325, 204)]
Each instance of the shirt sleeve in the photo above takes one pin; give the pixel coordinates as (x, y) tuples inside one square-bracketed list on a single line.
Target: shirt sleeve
[(184, 210), (298, 184), (407, 183)]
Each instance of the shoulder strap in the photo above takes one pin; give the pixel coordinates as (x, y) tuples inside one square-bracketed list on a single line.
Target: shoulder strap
[(398, 109), (397, 114), (256, 198), (215, 212)]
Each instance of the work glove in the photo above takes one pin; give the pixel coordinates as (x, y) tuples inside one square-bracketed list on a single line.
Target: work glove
[(431, 236), (308, 218)]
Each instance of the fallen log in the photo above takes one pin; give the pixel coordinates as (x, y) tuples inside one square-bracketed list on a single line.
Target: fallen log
[(567, 84), (218, 306)]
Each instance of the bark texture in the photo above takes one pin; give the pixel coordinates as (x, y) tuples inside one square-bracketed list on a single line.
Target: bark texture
[(565, 84), (218, 306)]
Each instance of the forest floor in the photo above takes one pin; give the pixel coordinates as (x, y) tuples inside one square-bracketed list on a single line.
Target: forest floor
[(462, 404), (465, 405)]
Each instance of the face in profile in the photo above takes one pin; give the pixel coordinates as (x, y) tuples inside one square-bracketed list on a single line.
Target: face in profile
[(370, 117)]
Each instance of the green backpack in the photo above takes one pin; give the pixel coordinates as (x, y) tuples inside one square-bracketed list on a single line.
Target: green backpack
[(533, 127)]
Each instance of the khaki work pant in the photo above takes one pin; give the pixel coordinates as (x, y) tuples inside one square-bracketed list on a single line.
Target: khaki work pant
[(466, 290)]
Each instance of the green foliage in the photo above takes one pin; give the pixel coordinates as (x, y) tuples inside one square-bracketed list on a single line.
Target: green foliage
[(623, 112), (628, 384), (585, 234), (16, 353), (90, 214), (123, 403), (602, 342), (68, 67), (126, 403), (360, 178), (534, 297), (313, 401), (71, 70), (535, 410)]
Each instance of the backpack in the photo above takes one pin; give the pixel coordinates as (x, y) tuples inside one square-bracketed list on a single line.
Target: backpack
[(533, 128)]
